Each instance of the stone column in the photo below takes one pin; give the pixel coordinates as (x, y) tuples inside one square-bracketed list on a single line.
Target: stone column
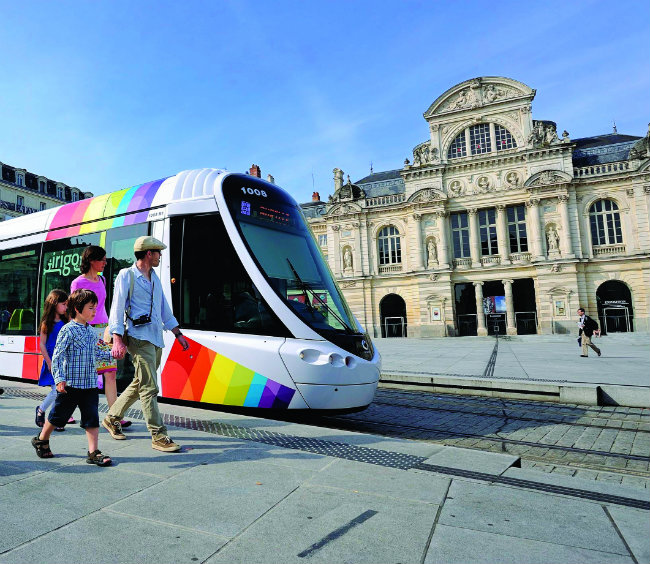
[(474, 238), (502, 234), (565, 237), (534, 228), (338, 268), (417, 234), (511, 325), (480, 316), (443, 247)]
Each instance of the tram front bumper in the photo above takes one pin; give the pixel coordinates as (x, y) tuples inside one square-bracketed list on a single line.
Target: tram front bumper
[(319, 396)]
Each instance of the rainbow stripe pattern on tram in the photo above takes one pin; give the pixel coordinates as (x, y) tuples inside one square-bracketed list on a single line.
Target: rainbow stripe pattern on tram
[(201, 374), (125, 207)]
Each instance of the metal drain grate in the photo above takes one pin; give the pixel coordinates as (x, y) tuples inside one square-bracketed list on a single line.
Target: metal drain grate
[(356, 453)]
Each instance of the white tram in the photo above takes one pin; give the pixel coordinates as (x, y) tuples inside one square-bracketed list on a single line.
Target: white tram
[(268, 327)]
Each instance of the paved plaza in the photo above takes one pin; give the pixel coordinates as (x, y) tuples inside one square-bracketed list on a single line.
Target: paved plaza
[(248, 489), (526, 362)]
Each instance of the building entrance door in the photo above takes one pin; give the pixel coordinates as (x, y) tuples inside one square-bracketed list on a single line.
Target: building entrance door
[(392, 311), (467, 325), (525, 305), (465, 304), (615, 310), (526, 322), (496, 323)]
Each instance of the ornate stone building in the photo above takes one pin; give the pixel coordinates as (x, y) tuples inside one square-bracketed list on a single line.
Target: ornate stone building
[(23, 192), (497, 223)]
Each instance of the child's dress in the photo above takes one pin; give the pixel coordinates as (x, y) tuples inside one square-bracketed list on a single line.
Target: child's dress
[(46, 378)]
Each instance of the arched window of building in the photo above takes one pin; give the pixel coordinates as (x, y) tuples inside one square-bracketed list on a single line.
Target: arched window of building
[(605, 221), (481, 138), (390, 250)]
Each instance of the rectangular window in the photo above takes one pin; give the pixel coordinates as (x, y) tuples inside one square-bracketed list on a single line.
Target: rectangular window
[(41, 186), (20, 201), (322, 240), (18, 281), (226, 300), (488, 232), (43, 206), (517, 229), (479, 138), (460, 234), (59, 192)]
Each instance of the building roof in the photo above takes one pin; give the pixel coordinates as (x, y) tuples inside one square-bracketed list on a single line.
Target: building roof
[(382, 183), (600, 149), (313, 209)]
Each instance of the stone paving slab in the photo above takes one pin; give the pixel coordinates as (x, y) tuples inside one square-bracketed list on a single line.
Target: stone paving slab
[(473, 460), (454, 545)]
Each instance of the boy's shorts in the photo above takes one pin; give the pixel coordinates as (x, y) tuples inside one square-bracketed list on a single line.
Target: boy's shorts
[(87, 400)]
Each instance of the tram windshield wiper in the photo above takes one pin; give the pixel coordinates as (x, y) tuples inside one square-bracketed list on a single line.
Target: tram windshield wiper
[(305, 287)]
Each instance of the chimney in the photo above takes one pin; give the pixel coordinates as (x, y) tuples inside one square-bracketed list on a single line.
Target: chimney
[(255, 171), (315, 197), (338, 178), (270, 179)]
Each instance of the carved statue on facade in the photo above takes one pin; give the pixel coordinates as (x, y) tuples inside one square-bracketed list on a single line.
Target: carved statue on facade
[(423, 154), (543, 134), (492, 93), (483, 184), (432, 254), (347, 259), (512, 179), (553, 239)]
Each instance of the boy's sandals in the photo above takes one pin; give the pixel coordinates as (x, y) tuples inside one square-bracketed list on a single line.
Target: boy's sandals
[(98, 458), (42, 448), (40, 417)]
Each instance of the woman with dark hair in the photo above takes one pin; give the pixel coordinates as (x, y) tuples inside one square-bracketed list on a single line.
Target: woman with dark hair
[(93, 263)]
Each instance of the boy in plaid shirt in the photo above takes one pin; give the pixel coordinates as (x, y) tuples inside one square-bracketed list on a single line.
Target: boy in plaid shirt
[(75, 376)]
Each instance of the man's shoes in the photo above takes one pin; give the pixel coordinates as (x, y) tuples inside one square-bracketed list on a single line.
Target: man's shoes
[(114, 427), (583, 355), (165, 444)]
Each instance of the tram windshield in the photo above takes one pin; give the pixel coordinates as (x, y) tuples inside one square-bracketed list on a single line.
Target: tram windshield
[(279, 239)]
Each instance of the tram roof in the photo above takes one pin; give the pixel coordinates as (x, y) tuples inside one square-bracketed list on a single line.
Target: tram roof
[(115, 209)]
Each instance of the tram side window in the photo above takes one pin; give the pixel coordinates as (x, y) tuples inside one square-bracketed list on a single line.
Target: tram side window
[(18, 282), (119, 253), (61, 262), (216, 293)]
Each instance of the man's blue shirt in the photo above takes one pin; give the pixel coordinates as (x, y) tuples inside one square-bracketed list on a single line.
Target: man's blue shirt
[(161, 314)]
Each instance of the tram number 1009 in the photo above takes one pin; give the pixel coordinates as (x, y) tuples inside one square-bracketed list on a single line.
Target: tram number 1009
[(255, 192)]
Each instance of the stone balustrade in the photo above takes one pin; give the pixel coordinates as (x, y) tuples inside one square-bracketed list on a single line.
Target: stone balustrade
[(600, 169), (385, 200), (389, 268), (520, 257), (491, 260), (463, 262), (606, 250)]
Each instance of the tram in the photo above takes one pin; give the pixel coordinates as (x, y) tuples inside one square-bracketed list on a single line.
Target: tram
[(267, 324)]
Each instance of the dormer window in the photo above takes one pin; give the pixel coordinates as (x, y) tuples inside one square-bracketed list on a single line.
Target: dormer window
[(20, 179), (482, 138), (60, 193), (75, 196)]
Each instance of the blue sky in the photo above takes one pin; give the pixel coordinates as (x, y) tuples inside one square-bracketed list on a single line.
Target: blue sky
[(104, 95)]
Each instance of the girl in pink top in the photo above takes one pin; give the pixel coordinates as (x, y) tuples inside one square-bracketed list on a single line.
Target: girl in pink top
[(93, 261)]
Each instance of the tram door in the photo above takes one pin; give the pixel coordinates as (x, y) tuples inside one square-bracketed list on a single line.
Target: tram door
[(392, 311), (615, 310)]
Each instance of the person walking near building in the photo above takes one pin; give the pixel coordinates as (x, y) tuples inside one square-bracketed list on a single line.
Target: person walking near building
[(586, 328), (93, 261), (73, 365), (139, 313)]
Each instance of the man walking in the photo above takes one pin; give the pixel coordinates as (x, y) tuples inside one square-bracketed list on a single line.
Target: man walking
[(139, 298), (587, 326)]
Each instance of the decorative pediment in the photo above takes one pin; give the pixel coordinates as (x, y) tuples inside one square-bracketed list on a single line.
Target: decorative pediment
[(343, 209), (547, 178), (477, 93), (427, 195)]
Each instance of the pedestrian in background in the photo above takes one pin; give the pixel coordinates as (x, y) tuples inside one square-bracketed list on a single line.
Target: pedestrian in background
[(140, 310), (73, 366), (586, 328), (93, 261), (53, 319)]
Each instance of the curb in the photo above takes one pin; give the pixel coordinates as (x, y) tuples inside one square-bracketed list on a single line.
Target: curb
[(570, 392)]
